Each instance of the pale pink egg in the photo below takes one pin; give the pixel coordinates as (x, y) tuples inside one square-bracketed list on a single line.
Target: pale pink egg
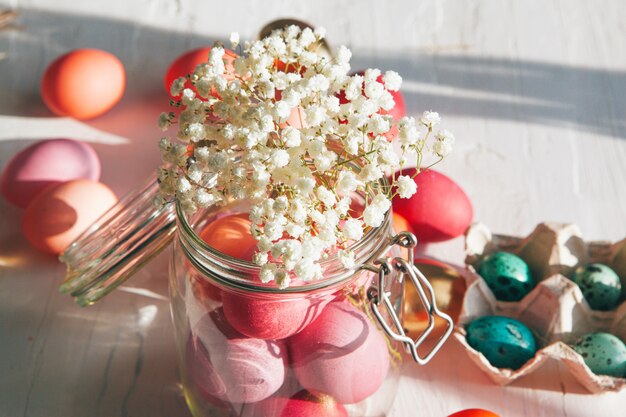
[(341, 353), (227, 366), (44, 164), (58, 215)]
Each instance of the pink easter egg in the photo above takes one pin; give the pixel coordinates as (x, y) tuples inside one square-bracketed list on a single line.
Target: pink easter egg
[(271, 316), (59, 214), (341, 353), (44, 164), (224, 365)]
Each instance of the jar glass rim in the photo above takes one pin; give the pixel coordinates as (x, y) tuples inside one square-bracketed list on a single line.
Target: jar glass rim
[(375, 236)]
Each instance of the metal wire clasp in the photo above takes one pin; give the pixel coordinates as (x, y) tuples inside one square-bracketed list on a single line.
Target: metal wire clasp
[(379, 298)]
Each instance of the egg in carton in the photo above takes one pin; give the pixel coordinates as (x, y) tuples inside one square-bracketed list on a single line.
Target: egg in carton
[(555, 309)]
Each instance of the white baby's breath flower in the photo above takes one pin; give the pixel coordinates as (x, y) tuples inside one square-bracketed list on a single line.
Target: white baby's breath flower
[(326, 196), (177, 86), (164, 121), (234, 39), (406, 186), (291, 136), (392, 81), (267, 272), (280, 158), (347, 182), (347, 258), (293, 133), (430, 119), (443, 145), (282, 110), (353, 229)]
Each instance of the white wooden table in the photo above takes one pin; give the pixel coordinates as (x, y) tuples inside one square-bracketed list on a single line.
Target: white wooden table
[(535, 92)]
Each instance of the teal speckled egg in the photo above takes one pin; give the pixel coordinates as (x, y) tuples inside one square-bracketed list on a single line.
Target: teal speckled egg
[(600, 285), (505, 342), (507, 275), (603, 353)]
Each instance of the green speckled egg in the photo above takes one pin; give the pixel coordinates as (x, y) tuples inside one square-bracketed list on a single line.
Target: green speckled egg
[(507, 275), (603, 353), (600, 285), (505, 342)]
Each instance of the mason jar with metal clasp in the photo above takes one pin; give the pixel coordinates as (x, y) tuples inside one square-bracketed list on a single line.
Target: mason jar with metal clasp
[(332, 346)]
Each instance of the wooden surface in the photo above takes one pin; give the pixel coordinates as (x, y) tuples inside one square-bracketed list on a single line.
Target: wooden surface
[(535, 92)]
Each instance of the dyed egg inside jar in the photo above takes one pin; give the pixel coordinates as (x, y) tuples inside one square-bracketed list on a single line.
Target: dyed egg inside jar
[(224, 365), (507, 275), (603, 353), (505, 342), (599, 284), (341, 353), (302, 404)]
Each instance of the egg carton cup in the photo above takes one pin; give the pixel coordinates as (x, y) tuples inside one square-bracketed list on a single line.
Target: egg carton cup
[(555, 309)]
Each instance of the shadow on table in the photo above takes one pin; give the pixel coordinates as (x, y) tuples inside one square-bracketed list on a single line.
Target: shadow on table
[(463, 84)]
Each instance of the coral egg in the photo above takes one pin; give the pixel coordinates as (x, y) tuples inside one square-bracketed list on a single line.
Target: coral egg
[(439, 210), (186, 64), (58, 215), (341, 353), (231, 236), (224, 365), (47, 163), (83, 83)]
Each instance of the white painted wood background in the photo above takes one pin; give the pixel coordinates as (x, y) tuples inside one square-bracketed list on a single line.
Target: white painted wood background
[(535, 92)]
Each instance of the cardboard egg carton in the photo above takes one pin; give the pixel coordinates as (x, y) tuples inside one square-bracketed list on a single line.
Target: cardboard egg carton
[(555, 309)]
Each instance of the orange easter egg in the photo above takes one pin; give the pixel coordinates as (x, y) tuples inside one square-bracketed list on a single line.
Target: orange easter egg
[(231, 236), (83, 83)]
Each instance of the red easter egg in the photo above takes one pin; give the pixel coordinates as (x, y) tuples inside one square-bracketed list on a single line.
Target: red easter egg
[(224, 365), (302, 404), (474, 412), (439, 210), (271, 316), (187, 63), (340, 353)]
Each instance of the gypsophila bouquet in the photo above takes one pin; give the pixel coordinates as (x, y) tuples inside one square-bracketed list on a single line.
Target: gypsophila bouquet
[(289, 130)]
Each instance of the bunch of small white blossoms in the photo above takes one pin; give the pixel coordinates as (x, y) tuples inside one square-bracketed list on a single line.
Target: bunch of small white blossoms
[(289, 130)]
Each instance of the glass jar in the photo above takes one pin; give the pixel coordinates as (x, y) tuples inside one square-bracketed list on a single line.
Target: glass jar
[(332, 347)]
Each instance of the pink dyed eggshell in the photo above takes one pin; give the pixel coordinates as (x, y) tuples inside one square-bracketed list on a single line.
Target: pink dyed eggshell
[(271, 316), (227, 366), (439, 210), (341, 353), (47, 163), (58, 215)]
